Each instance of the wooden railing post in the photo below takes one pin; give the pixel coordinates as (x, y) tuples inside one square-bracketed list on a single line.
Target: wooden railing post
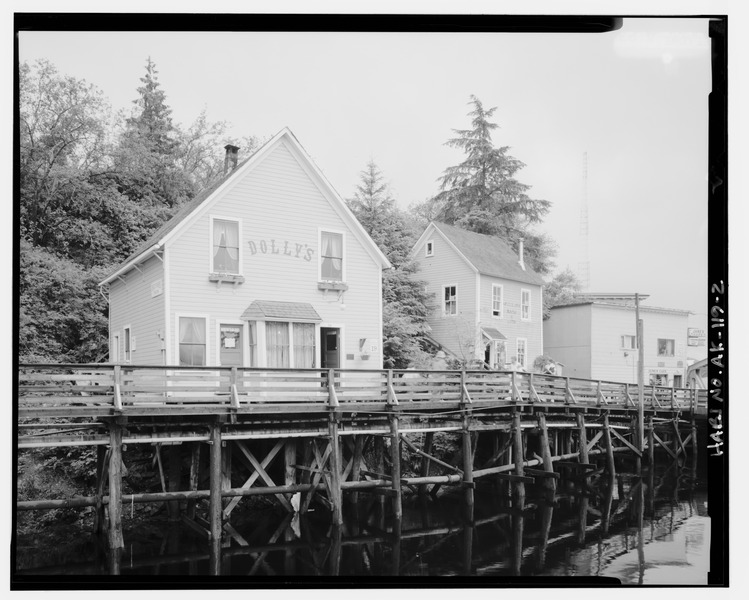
[(332, 396), (117, 388)]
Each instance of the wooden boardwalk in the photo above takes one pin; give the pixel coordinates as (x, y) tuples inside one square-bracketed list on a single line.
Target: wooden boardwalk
[(314, 435)]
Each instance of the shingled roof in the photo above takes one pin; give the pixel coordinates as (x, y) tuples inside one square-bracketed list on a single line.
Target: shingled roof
[(488, 254), (261, 310)]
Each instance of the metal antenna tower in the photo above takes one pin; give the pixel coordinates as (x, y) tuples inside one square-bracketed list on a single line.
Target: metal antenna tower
[(583, 267)]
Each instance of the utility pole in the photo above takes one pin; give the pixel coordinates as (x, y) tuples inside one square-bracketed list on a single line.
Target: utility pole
[(640, 376)]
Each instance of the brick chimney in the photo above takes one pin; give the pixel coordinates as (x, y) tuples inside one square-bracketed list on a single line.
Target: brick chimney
[(232, 155), (521, 252)]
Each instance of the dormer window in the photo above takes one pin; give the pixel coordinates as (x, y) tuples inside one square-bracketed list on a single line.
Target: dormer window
[(429, 248), (225, 250)]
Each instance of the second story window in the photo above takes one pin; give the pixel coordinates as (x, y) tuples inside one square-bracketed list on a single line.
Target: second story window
[(665, 347), (450, 306), (525, 305), (496, 300), (225, 254), (629, 342), (331, 256)]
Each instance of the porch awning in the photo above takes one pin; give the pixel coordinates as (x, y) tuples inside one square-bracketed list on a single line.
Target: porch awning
[(492, 333), (268, 310)]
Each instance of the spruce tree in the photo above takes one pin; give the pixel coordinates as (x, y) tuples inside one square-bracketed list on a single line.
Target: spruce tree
[(405, 304)]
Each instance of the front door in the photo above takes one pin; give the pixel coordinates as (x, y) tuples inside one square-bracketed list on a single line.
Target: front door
[(330, 347), (230, 348)]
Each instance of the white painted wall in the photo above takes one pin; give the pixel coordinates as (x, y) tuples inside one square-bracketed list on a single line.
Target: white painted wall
[(134, 300), (282, 210)]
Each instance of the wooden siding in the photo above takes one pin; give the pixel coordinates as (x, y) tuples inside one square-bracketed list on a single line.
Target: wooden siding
[(510, 323), (567, 339), (131, 303), (445, 267), (609, 323), (282, 211)]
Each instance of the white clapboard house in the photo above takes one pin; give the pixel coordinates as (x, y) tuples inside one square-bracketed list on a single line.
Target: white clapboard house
[(266, 268), (488, 304)]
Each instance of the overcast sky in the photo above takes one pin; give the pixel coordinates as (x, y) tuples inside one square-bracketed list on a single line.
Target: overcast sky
[(634, 100)]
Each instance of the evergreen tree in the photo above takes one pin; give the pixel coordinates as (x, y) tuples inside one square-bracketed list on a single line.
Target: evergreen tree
[(147, 157), (481, 194), (405, 304), (560, 290)]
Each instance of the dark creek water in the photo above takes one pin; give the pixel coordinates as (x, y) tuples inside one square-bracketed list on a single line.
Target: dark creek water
[(648, 530)]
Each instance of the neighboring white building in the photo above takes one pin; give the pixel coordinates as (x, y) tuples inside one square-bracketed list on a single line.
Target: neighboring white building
[(266, 268), (488, 302), (596, 339)]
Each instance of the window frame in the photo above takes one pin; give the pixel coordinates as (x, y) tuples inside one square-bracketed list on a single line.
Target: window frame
[(501, 312), (206, 324), (344, 260), (673, 347), (634, 342), (524, 362), (444, 301), (522, 305), (429, 248), (127, 344), (238, 221)]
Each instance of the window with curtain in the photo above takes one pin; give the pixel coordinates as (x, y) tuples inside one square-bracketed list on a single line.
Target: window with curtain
[(331, 268), (304, 345), (277, 344), (225, 246), (192, 341), (522, 352)]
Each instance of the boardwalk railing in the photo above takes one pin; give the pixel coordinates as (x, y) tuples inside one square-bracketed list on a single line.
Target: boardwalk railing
[(68, 389)]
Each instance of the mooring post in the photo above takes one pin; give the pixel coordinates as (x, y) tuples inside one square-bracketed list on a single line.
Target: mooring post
[(215, 508), (518, 457), (115, 484)]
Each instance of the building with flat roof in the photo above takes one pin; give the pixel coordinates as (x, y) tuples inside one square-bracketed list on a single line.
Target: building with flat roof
[(596, 338)]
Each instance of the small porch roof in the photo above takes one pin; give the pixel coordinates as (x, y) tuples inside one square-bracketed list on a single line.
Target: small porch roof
[(268, 310)]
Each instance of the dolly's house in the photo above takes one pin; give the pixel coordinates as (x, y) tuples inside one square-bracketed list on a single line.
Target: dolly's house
[(489, 302), (266, 268), (596, 338)]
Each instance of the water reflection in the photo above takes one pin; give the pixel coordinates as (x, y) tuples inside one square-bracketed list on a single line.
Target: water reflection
[(640, 529)]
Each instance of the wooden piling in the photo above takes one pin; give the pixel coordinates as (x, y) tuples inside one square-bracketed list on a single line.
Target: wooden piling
[(194, 477), (357, 463), (215, 508), (467, 447), (175, 473), (395, 456), (425, 462), (115, 485), (610, 466), (651, 442), (518, 457), (101, 475), (336, 495), (549, 482)]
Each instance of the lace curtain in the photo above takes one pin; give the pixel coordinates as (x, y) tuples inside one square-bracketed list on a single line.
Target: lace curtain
[(225, 246)]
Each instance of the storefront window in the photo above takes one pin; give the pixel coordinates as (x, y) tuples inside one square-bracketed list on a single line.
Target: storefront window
[(277, 344), (304, 345)]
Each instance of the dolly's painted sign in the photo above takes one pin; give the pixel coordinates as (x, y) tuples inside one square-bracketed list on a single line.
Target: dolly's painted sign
[(281, 247)]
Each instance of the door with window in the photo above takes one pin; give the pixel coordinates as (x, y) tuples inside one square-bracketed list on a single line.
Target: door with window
[(230, 345), (330, 347)]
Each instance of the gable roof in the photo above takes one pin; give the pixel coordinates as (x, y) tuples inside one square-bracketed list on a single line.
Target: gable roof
[(171, 228), (488, 254)]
